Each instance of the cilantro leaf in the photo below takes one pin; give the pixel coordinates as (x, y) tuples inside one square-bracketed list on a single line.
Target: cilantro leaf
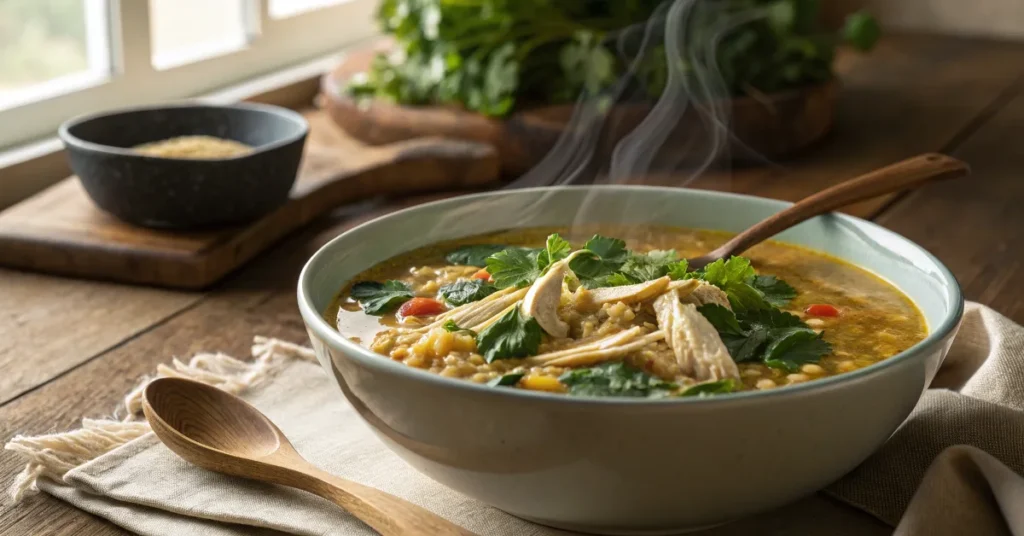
[(615, 379), (466, 291), (677, 270), (735, 276), (791, 347), (602, 257), (556, 249), (474, 255), (451, 327), (513, 335), (506, 380), (513, 267), (776, 291), (651, 265), (777, 338), (722, 273), (702, 390), (380, 298)]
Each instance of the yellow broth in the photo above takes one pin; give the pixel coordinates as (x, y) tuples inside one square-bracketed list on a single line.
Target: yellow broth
[(876, 320)]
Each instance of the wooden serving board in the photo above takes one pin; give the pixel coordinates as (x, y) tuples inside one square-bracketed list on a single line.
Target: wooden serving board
[(61, 231)]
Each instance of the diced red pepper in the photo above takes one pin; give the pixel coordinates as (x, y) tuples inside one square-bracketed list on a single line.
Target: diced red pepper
[(482, 274), (822, 309), (421, 307)]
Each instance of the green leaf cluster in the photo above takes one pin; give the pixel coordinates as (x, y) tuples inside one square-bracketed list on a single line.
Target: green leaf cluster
[(490, 56)]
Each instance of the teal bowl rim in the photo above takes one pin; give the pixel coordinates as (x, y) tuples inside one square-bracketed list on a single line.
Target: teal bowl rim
[(315, 322)]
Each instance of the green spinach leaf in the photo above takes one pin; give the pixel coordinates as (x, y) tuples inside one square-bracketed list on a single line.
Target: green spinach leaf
[(380, 298), (474, 255), (719, 387), (615, 379), (506, 380), (466, 291)]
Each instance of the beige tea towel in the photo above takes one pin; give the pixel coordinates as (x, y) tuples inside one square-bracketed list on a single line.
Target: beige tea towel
[(953, 468)]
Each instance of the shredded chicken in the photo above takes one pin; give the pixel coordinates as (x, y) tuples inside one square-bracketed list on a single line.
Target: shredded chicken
[(628, 294), (700, 292), (613, 347), (543, 298), (699, 350), (474, 313)]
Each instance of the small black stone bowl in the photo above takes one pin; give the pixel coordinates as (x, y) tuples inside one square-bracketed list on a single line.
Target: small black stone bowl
[(174, 193)]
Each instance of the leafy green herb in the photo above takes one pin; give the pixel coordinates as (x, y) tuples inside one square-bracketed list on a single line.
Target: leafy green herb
[(776, 291), (474, 255), (736, 277), (489, 56), (719, 387), (615, 379), (513, 267), (451, 327), (466, 291), (601, 258), (776, 338), (506, 380), (513, 335), (642, 267), (380, 298), (556, 249)]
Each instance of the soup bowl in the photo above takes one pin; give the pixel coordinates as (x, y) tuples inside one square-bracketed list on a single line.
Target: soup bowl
[(629, 466)]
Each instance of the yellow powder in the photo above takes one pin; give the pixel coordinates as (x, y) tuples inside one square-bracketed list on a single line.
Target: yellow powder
[(194, 147)]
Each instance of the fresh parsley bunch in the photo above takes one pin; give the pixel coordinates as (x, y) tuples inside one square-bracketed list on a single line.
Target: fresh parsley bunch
[(490, 56)]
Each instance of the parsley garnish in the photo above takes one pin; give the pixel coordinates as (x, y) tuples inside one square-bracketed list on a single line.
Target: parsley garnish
[(776, 338), (776, 291), (513, 267), (719, 387), (474, 255), (615, 379), (556, 249), (602, 257), (466, 291), (513, 335), (736, 277), (380, 298)]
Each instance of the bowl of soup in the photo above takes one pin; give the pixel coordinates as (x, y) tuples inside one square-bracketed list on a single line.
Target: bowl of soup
[(551, 353)]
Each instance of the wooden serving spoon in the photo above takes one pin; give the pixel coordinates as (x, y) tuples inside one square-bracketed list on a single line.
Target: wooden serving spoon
[(221, 432), (905, 175)]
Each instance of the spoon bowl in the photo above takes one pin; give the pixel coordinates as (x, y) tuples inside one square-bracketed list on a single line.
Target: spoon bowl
[(220, 432)]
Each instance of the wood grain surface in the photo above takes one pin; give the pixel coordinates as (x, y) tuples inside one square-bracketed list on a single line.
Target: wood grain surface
[(60, 231), (916, 94)]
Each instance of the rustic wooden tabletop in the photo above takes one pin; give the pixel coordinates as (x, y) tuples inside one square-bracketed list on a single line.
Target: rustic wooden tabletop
[(72, 348)]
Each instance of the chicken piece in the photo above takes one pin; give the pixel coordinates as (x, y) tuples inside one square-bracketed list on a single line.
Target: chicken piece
[(591, 300), (542, 300), (700, 293), (699, 350), (617, 347)]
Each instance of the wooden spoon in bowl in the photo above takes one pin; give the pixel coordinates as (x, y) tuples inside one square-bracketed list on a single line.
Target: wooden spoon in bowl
[(905, 175), (221, 432)]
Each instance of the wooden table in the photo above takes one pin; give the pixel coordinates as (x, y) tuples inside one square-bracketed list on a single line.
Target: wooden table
[(71, 349)]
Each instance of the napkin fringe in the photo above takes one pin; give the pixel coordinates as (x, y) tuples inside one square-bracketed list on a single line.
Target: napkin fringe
[(52, 456)]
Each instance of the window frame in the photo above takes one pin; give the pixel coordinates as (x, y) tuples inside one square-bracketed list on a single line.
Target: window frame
[(273, 44)]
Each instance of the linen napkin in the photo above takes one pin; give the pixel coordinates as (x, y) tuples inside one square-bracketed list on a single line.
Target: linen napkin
[(954, 467)]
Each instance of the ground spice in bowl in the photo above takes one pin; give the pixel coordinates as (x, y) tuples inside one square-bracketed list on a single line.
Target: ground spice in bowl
[(200, 147)]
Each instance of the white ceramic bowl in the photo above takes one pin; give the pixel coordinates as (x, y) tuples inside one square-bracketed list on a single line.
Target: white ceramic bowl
[(626, 466)]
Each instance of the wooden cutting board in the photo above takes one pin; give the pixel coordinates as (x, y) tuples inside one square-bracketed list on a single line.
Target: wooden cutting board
[(60, 231)]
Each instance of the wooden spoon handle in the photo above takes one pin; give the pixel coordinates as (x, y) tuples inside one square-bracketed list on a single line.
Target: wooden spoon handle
[(900, 176), (387, 514)]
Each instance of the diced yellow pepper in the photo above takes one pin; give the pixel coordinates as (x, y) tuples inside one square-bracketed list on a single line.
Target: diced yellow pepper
[(542, 383)]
